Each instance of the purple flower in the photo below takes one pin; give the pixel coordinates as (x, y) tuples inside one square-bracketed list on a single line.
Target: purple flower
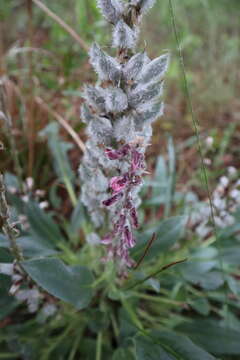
[(121, 239), (129, 241), (107, 239), (117, 183), (112, 199), (117, 154), (120, 224), (137, 160), (134, 218), (112, 154)]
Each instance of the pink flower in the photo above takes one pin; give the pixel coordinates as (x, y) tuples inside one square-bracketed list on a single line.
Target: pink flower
[(129, 241), (112, 199), (107, 239), (112, 154), (117, 154), (137, 160), (117, 183), (120, 224), (134, 218)]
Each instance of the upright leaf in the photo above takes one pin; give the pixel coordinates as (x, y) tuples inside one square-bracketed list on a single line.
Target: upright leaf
[(41, 224)]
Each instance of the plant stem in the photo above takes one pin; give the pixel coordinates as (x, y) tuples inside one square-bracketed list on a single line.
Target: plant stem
[(70, 191), (8, 126), (99, 346), (30, 93), (8, 228), (2, 65), (157, 299)]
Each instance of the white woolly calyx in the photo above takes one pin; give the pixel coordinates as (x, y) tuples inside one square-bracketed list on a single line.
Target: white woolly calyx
[(105, 66), (132, 69), (124, 37), (119, 111), (112, 10), (155, 70), (115, 100), (143, 5)]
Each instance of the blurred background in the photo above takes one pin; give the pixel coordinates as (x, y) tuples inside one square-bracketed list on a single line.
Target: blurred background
[(43, 68), (39, 59)]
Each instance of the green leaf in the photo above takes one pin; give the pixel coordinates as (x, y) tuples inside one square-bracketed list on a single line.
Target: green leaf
[(201, 305), (30, 246), (229, 231), (41, 224), (201, 261), (123, 354), (230, 255), (233, 285), (148, 350), (213, 337), (212, 280), (161, 345), (70, 284), (7, 303), (77, 217), (59, 150), (160, 183), (171, 177), (35, 247), (5, 255), (168, 232)]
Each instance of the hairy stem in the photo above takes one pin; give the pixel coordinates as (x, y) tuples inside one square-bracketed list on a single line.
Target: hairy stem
[(5, 223)]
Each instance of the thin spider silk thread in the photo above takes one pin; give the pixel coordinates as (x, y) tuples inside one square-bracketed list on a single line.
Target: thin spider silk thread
[(199, 145)]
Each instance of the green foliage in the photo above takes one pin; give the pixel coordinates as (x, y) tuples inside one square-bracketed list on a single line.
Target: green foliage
[(168, 346), (168, 232), (213, 337), (71, 284), (187, 311)]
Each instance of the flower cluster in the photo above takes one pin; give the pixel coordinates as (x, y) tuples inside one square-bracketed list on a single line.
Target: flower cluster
[(122, 187), (119, 112), (225, 201)]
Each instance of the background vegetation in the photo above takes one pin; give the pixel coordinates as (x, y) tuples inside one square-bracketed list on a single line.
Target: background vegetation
[(43, 70)]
